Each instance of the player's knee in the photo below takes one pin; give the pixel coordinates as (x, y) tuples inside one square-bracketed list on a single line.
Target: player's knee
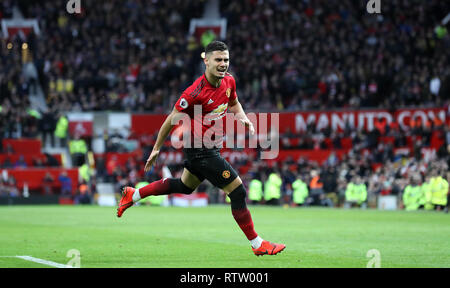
[(237, 197), (178, 186), (233, 185)]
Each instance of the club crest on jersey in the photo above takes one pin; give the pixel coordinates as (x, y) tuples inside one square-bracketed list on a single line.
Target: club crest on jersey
[(226, 174), (228, 92)]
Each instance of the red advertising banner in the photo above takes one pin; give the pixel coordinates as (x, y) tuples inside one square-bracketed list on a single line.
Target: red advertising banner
[(22, 146), (364, 119), (146, 123), (298, 121)]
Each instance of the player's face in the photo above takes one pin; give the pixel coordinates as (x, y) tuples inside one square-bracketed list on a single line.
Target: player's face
[(217, 63)]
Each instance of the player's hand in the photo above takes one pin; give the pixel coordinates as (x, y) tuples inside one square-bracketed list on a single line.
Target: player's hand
[(249, 124), (151, 159)]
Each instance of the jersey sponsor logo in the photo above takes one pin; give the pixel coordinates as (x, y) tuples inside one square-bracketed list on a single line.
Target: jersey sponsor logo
[(226, 174), (222, 108), (183, 103), (228, 92), (217, 113)]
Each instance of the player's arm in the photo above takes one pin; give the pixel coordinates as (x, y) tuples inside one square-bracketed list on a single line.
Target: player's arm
[(235, 107), (164, 131)]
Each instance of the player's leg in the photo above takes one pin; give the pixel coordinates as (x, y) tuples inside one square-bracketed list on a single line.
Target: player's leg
[(184, 185), (237, 194), (220, 173)]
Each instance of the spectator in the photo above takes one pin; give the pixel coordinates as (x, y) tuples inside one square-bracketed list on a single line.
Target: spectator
[(329, 179), (37, 162), (435, 85), (356, 193), (255, 190), (111, 165), (272, 189), (3, 188), (300, 191), (316, 188), (84, 194), (427, 192), (11, 187), (413, 196), (66, 184), (51, 160), (47, 184), (439, 189), (20, 163), (47, 127), (7, 163), (9, 149), (85, 173), (61, 129), (78, 150), (100, 169)]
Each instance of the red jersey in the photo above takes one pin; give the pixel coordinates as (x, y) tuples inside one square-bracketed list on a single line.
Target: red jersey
[(213, 102)]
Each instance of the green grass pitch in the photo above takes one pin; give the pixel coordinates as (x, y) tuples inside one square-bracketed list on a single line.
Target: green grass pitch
[(208, 237)]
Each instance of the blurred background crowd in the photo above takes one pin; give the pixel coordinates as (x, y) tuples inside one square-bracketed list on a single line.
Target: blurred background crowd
[(137, 56), (286, 55)]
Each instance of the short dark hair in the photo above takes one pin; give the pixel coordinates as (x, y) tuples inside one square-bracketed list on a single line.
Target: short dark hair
[(216, 46)]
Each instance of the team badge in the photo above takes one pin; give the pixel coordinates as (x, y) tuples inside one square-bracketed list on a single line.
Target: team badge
[(226, 174), (228, 92)]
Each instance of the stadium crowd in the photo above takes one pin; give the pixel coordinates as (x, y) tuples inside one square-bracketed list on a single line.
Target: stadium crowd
[(310, 55), (382, 171), (108, 58), (333, 54)]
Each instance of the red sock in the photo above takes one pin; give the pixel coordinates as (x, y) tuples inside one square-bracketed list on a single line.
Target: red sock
[(160, 187), (245, 222)]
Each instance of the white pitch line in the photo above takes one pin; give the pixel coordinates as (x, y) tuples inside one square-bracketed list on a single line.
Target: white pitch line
[(41, 261)]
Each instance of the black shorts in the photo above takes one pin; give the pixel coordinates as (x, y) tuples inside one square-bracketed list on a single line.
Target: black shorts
[(209, 164)]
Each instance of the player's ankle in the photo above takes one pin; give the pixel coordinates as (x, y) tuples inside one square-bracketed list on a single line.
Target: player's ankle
[(256, 243), (136, 196)]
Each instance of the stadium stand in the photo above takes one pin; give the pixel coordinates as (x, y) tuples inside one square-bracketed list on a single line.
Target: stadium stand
[(136, 57)]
